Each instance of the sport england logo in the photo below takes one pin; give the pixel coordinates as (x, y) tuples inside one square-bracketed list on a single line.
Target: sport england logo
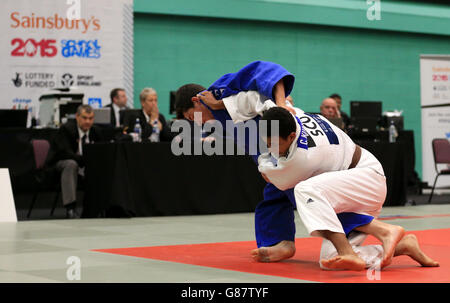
[(67, 80)]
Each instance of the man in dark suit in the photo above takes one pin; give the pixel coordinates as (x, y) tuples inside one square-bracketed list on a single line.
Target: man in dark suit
[(66, 153), (150, 117), (118, 103)]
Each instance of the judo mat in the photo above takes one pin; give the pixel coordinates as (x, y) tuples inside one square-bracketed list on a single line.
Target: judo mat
[(199, 249), (235, 256)]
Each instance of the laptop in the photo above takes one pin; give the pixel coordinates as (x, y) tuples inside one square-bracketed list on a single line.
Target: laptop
[(102, 116), (365, 109), (365, 115), (128, 116), (13, 118)]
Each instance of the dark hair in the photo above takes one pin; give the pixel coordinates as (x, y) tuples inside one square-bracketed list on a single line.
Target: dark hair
[(286, 122), (114, 93), (84, 108), (335, 96), (183, 97)]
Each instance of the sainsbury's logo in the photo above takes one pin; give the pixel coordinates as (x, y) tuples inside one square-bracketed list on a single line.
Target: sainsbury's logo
[(54, 21)]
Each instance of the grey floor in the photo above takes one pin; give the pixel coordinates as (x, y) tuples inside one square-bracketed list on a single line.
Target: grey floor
[(38, 250)]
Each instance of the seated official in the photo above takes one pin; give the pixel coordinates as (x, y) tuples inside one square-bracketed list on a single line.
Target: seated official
[(66, 153), (150, 117), (118, 102), (344, 115), (329, 108)]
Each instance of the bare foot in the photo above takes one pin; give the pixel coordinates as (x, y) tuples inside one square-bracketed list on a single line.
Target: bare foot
[(410, 246), (344, 262), (389, 241), (281, 251)]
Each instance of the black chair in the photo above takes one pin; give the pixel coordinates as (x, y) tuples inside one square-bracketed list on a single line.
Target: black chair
[(42, 174), (441, 153)]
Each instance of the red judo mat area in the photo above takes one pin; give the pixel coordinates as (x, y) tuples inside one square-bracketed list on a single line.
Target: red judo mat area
[(304, 265)]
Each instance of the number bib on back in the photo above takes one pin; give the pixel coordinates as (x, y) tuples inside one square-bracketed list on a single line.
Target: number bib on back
[(318, 132)]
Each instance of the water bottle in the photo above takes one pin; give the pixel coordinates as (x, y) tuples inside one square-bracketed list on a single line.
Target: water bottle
[(392, 133), (138, 130), (154, 137)]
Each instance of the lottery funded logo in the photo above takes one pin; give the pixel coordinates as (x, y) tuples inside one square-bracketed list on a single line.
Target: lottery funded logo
[(17, 81), (34, 80)]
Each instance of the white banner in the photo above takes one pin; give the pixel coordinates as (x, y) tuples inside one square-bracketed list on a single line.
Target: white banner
[(435, 102), (51, 44), (7, 205)]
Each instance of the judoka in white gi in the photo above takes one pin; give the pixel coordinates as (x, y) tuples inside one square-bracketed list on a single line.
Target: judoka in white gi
[(235, 98), (332, 178)]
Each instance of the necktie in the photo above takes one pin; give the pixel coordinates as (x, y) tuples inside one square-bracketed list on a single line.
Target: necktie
[(83, 142)]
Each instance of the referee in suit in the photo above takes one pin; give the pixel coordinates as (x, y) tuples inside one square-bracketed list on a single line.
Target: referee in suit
[(66, 153), (118, 102)]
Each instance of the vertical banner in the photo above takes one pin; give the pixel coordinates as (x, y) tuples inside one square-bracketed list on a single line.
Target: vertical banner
[(7, 205), (435, 102), (50, 44)]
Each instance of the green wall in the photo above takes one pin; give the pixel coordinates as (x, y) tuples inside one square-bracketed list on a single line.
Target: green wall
[(359, 64)]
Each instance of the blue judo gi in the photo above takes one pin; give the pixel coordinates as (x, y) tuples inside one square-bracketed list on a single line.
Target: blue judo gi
[(274, 216)]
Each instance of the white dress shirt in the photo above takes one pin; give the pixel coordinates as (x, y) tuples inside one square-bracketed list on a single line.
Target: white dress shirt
[(116, 110), (81, 133), (147, 117)]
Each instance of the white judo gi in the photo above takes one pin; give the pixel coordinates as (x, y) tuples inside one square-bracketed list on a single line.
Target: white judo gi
[(323, 184)]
